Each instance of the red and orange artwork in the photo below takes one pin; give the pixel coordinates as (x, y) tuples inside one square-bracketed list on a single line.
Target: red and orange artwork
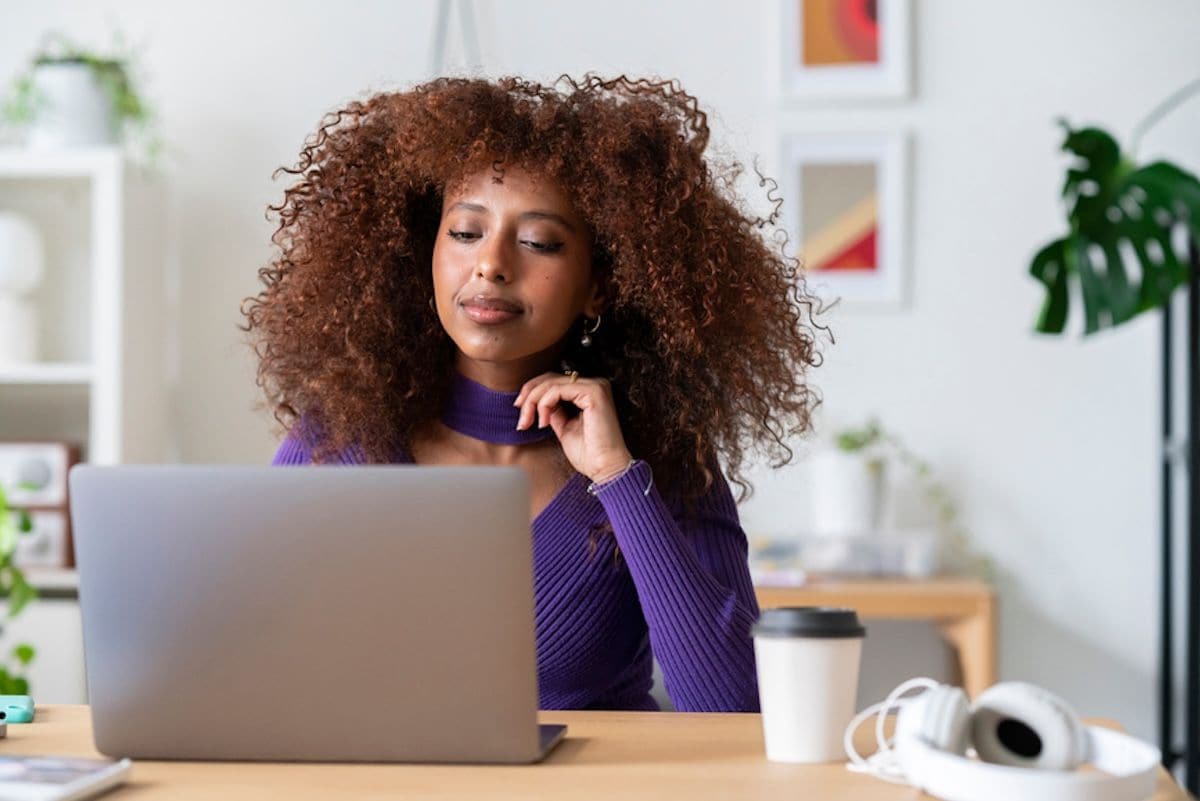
[(840, 216), (839, 32)]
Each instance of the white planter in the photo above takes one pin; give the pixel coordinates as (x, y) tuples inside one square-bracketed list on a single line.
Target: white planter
[(847, 494), (74, 110)]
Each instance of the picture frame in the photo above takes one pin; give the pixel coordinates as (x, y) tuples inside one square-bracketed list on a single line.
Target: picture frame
[(45, 464), (845, 213), (48, 542), (843, 49), (35, 477)]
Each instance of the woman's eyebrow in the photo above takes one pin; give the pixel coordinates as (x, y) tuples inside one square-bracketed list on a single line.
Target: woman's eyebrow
[(535, 214)]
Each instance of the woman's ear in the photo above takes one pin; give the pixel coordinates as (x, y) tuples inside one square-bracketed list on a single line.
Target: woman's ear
[(601, 272), (597, 301)]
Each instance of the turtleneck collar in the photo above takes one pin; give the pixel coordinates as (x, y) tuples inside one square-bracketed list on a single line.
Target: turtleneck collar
[(489, 415)]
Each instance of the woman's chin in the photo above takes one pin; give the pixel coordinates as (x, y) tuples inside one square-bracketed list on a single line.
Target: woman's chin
[(498, 348), (493, 347)]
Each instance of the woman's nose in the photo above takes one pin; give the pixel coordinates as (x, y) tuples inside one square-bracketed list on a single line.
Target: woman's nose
[(495, 263)]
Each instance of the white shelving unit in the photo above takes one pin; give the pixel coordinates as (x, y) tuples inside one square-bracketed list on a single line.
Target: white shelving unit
[(46, 373), (102, 379)]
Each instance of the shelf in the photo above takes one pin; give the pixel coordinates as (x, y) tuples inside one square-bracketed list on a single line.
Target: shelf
[(80, 162), (51, 579), (52, 584), (46, 373)]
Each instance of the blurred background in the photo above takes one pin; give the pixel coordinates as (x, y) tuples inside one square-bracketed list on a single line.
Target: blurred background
[(1046, 449)]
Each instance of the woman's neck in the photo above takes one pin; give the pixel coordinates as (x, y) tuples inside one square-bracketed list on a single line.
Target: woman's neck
[(438, 444), (479, 412), (506, 376)]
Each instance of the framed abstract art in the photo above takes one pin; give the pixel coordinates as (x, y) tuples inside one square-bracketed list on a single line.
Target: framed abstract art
[(844, 212), (844, 49)]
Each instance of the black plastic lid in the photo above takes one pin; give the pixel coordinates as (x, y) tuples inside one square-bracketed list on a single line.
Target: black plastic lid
[(809, 621)]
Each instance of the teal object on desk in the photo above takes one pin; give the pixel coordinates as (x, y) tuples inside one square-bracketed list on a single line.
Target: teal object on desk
[(16, 708)]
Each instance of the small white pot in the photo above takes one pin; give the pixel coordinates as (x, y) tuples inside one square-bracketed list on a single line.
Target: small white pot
[(847, 494), (74, 110)]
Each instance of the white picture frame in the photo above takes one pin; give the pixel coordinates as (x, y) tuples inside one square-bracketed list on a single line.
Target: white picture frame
[(46, 544), (878, 156), (49, 462), (888, 78)]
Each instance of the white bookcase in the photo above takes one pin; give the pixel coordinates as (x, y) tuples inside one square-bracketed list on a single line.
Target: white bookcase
[(102, 381), (102, 378)]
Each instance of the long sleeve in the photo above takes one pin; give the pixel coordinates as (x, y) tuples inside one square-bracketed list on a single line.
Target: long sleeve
[(694, 586)]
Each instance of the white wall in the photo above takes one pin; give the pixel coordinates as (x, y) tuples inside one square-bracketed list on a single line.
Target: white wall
[(1050, 445)]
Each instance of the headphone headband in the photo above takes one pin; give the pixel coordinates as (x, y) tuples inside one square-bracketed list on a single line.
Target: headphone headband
[(1129, 773)]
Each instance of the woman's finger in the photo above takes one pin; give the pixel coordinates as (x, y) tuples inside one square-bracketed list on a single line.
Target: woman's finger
[(559, 389), (584, 394), (558, 421), (529, 404), (531, 384), (548, 402)]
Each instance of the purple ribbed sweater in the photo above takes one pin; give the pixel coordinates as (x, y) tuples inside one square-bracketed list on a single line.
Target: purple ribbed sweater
[(681, 590)]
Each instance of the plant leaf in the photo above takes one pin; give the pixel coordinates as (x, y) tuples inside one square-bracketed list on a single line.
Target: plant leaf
[(24, 653), (1120, 251), (1091, 186), (8, 533), (22, 593), (1050, 267)]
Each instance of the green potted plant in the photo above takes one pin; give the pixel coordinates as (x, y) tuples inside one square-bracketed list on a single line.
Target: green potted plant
[(13, 523), (1119, 215), (847, 484), (852, 496), (70, 96)]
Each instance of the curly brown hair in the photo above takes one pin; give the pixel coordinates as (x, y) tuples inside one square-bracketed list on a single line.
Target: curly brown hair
[(708, 331)]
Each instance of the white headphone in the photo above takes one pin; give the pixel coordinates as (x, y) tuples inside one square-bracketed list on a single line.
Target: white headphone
[(1028, 742)]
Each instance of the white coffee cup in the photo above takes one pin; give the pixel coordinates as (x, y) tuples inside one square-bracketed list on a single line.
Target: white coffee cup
[(807, 659)]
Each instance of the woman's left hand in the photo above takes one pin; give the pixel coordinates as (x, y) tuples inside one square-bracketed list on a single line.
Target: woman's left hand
[(592, 440)]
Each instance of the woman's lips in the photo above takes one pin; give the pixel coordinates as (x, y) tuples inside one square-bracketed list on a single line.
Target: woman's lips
[(486, 315)]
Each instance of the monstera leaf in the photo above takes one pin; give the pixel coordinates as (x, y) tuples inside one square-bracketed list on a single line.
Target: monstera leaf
[(1122, 250)]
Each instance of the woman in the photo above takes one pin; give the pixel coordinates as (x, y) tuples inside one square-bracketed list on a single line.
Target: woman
[(476, 272)]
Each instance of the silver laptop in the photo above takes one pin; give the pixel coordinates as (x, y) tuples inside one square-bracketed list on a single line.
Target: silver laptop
[(341, 614)]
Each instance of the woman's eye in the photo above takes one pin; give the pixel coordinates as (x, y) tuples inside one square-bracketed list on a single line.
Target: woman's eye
[(540, 247), (543, 247)]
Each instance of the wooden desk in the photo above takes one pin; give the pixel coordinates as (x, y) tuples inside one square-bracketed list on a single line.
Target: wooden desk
[(606, 755), (964, 611)]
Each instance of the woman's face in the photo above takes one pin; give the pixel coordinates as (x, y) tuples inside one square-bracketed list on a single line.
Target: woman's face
[(511, 268)]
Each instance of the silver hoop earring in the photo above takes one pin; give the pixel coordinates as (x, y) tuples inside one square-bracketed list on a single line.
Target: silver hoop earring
[(431, 306), (586, 339)]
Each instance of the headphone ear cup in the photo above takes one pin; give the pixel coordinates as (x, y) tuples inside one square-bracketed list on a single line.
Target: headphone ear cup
[(1021, 724), (940, 717)]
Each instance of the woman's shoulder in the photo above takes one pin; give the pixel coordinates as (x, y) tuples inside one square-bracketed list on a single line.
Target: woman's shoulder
[(304, 438)]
